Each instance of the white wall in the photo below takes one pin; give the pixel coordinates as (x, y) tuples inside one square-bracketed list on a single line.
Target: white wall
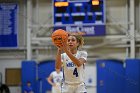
[(90, 72), (116, 13), (91, 90), (15, 89), (12, 63)]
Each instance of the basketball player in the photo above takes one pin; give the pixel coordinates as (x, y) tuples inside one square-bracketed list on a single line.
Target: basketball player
[(73, 64), (55, 79)]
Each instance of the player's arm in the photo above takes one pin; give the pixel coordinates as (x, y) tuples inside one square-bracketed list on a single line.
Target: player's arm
[(49, 79), (58, 63), (76, 61)]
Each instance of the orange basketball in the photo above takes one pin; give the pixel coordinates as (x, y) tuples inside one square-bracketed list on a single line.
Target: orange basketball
[(59, 35)]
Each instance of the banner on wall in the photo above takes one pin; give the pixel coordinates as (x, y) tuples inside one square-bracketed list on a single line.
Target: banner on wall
[(86, 30), (8, 25)]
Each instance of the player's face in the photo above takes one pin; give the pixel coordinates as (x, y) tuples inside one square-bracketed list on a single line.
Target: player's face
[(29, 84), (72, 42), (57, 70)]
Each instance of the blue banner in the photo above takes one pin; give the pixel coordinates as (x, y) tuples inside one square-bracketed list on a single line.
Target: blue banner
[(8, 25), (86, 30)]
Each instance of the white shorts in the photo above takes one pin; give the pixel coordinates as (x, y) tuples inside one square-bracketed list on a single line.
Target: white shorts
[(74, 88), (56, 89)]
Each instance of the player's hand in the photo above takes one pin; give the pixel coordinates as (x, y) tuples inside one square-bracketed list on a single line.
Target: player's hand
[(65, 46), (58, 46), (53, 84)]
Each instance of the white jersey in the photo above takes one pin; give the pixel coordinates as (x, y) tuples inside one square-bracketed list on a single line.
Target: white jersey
[(57, 77), (72, 73)]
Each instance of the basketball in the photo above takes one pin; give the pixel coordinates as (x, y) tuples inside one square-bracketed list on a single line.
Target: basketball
[(59, 35)]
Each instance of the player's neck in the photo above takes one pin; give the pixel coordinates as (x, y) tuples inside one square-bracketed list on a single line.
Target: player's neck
[(74, 51)]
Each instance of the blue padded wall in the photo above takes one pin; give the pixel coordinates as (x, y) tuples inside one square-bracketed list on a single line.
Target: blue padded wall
[(28, 73), (44, 70), (132, 72), (110, 76)]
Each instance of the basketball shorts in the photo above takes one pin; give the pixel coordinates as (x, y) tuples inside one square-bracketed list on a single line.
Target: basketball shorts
[(74, 88)]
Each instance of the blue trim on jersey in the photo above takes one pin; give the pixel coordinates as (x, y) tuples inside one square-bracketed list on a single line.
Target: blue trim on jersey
[(63, 74)]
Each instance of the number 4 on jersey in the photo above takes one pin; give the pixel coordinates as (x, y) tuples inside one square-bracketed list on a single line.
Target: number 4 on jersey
[(75, 72)]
